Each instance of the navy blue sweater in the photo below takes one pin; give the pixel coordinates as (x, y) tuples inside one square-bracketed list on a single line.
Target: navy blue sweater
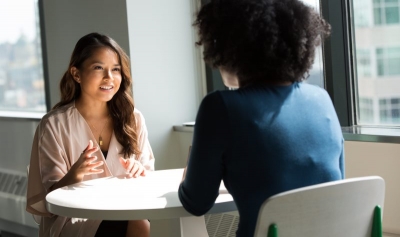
[(261, 141)]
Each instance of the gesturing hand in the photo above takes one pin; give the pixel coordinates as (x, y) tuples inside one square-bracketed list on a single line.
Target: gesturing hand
[(133, 167), (85, 165)]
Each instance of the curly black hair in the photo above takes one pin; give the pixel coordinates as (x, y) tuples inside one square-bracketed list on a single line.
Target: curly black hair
[(262, 41)]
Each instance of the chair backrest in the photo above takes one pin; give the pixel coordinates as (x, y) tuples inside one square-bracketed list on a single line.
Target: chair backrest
[(339, 208)]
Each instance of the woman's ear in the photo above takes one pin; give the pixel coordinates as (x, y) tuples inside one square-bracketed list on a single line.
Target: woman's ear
[(75, 74)]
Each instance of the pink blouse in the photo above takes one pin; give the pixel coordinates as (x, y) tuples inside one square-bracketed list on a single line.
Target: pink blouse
[(60, 138)]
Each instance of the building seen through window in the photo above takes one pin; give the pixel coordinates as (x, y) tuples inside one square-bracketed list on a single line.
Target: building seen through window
[(377, 43), (386, 12), (389, 110), (21, 67)]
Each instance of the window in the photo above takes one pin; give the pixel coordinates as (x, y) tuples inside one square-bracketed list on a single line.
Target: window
[(389, 111), (363, 15), (388, 61), (366, 108), (317, 71), (386, 12), (378, 63), (21, 67), (364, 64)]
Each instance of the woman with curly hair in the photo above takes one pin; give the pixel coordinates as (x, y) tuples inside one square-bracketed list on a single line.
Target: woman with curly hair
[(94, 131), (275, 132)]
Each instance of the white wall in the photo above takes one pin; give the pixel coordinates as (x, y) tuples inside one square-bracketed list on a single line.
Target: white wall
[(382, 159), (16, 143), (167, 87)]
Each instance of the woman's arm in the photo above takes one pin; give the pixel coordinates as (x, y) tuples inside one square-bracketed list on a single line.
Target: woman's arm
[(50, 166), (205, 167), (85, 165), (139, 167)]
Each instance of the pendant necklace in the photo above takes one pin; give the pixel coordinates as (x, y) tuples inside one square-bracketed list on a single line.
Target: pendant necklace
[(100, 138)]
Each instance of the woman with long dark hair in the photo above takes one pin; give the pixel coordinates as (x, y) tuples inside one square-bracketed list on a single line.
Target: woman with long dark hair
[(94, 131)]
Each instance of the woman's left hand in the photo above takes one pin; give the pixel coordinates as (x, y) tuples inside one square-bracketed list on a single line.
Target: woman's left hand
[(133, 167)]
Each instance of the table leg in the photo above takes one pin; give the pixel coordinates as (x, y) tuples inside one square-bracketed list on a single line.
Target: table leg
[(165, 228), (193, 226)]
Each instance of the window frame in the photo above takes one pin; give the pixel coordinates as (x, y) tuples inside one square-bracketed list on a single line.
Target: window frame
[(44, 55), (340, 58), (340, 63)]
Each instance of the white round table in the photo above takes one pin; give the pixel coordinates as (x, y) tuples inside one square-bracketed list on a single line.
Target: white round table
[(152, 197)]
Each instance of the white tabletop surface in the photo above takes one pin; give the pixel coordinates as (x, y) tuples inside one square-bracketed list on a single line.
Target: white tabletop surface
[(154, 196)]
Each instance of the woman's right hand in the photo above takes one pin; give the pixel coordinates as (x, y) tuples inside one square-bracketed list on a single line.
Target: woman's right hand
[(85, 165)]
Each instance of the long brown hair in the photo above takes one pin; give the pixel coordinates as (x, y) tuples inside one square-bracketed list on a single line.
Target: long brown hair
[(121, 106)]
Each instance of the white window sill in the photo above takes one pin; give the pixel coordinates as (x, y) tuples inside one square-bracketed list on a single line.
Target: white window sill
[(354, 133), (22, 115)]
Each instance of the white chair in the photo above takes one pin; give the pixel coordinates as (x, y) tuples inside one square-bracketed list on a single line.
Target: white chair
[(351, 207)]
